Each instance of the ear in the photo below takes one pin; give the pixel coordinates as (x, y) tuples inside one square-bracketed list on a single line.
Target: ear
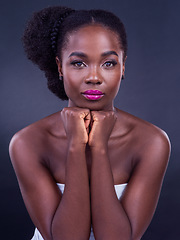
[(59, 64), (123, 69)]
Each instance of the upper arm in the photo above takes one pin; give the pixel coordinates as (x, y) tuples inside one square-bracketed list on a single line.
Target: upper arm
[(38, 188), (141, 196)]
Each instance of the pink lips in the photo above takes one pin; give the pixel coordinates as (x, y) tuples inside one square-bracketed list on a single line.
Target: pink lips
[(93, 94)]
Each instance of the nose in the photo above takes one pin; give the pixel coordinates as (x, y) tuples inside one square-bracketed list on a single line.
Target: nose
[(93, 77)]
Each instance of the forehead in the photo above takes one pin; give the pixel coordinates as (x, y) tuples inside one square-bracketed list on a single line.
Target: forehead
[(92, 39)]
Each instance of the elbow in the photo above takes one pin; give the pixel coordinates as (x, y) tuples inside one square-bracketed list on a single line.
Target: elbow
[(124, 234), (135, 237), (128, 234)]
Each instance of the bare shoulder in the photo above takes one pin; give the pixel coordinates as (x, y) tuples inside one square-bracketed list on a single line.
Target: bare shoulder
[(152, 137), (34, 137), (145, 136)]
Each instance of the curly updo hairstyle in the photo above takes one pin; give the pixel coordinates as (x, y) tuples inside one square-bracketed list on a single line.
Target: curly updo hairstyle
[(46, 35)]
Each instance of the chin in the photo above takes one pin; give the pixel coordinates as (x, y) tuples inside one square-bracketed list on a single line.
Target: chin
[(95, 106)]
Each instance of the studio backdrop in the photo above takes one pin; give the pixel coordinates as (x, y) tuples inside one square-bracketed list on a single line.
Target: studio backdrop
[(150, 91)]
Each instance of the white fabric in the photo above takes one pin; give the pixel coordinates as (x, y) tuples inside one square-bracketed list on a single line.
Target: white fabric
[(118, 189)]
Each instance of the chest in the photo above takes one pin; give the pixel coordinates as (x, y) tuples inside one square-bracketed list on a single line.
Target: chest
[(120, 156)]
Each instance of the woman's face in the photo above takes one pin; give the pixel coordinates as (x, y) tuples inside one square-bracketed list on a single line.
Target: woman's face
[(92, 67)]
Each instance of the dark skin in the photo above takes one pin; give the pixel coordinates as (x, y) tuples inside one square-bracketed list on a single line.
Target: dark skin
[(90, 146)]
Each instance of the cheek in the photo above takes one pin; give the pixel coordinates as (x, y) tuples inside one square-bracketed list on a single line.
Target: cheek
[(114, 83), (71, 83), (115, 88)]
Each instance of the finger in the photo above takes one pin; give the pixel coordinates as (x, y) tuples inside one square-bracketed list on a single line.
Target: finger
[(94, 115), (87, 120), (85, 117), (97, 115)]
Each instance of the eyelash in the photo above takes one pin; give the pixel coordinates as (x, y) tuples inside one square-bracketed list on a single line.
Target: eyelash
[(75, 63), (82, 64), (112, 62)]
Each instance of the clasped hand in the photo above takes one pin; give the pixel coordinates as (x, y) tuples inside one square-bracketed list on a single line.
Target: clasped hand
[(83, 126)]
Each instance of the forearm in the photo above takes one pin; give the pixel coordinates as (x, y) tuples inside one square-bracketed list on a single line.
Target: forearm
[(72, 218), (108, 216)]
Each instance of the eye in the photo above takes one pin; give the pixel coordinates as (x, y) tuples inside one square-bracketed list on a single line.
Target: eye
[(78, 64), (110, 64)]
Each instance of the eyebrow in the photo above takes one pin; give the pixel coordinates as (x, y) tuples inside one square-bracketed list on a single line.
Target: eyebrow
[(109, 53), (78, 54), (81, 54)]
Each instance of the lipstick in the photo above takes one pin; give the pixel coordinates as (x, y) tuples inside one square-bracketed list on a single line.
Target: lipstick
[(93, 94)]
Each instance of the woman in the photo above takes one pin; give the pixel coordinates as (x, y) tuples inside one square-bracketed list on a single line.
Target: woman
[(91, 165)]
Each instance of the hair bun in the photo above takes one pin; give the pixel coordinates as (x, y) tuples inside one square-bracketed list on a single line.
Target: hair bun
[(37, 37)]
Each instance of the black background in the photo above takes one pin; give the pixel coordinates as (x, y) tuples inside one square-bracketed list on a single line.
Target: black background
[(150, 91)]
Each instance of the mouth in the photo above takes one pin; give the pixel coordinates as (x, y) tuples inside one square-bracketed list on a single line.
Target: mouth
[(93, 94)]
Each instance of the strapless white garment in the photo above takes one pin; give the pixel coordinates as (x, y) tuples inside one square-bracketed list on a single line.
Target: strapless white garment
[(118, 189)]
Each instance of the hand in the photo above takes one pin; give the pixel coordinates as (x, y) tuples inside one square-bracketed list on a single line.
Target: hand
[(102, 123), (76, 123)]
